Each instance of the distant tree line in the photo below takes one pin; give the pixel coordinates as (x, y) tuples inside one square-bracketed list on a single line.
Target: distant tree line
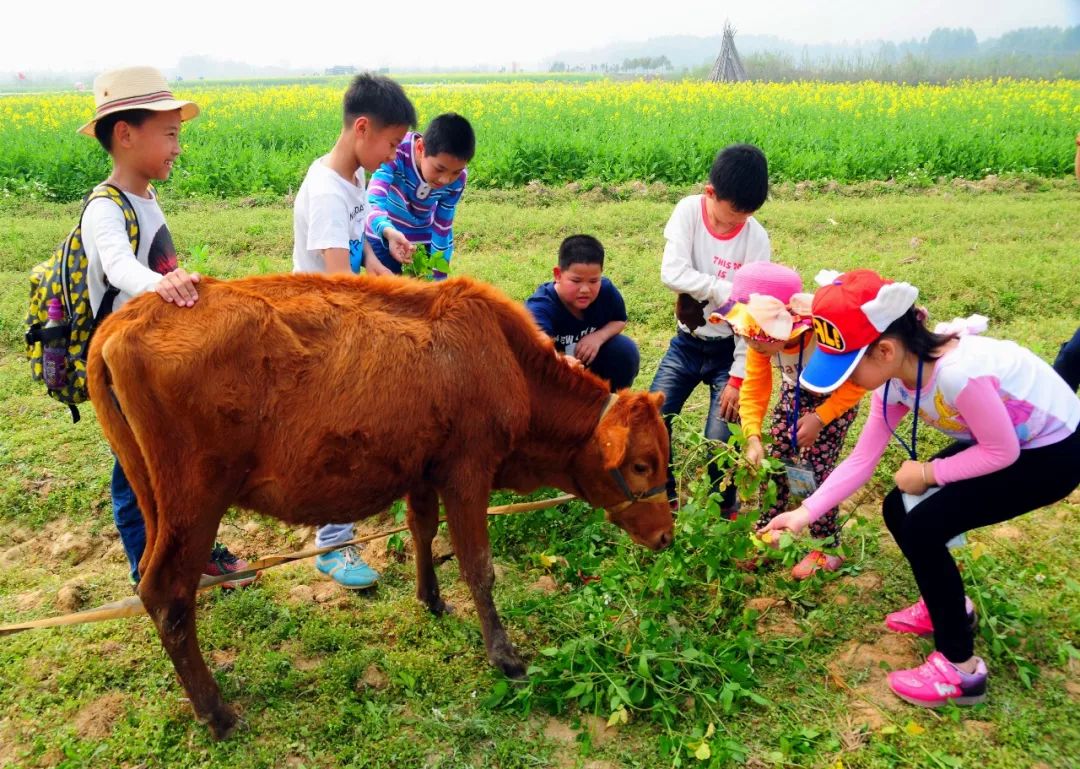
[(946, 54), (640, 64)]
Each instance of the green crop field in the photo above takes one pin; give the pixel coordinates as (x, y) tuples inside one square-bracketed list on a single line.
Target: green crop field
[(259, 139)]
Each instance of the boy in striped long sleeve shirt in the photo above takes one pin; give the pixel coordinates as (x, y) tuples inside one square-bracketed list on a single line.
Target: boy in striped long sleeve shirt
[(413, 197)]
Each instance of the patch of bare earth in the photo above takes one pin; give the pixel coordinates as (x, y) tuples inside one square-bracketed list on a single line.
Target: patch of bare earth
[(565, 738), (861, 669), (775, 618), (96, 720)]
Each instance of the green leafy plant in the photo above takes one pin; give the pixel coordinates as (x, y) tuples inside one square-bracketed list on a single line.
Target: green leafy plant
[(424, 262), (662, 636)]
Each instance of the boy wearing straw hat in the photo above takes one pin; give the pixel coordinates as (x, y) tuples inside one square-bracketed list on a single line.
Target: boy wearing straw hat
[(137, 121)]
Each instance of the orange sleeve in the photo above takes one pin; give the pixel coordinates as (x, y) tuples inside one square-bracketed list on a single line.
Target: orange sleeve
[(755, 393), (846, 396)]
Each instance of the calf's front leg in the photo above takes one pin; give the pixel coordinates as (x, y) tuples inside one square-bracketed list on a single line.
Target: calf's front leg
[(466, 515)]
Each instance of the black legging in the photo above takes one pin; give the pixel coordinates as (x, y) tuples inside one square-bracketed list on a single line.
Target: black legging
[(1037, 478)]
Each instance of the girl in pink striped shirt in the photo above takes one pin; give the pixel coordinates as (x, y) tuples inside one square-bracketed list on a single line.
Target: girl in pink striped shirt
[(1016, 449)]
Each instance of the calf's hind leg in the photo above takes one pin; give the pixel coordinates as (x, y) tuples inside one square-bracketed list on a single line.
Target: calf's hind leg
[(167, 590), (423, 516)]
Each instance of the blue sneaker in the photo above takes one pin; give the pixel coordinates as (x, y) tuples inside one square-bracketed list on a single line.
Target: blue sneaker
[(347, 568)]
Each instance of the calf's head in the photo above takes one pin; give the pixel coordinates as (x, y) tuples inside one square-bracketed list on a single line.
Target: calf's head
[(623, 468)]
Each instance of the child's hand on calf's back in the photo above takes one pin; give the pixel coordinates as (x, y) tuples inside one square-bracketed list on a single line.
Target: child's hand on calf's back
[(178, 287)]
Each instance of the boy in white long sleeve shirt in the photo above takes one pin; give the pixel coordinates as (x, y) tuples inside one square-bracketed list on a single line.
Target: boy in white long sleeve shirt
[(137, 121), (709, 237)]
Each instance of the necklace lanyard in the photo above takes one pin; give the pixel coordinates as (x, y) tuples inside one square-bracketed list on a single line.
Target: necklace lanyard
[(793, 419), (915, 417)]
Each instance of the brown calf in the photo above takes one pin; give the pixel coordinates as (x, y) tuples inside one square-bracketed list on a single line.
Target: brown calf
[(320, 399)]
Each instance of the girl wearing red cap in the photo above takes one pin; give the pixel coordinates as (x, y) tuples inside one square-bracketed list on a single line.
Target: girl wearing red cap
[(1017, 448), (770, 312)]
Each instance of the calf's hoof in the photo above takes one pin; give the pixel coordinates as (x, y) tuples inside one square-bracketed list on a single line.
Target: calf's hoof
[(223, 722), (436, 606), (511, 665)]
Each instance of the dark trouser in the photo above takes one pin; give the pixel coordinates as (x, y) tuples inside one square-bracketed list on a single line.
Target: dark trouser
[(128, 519), (1068, 361), (688, 362), (617, 361), (1037, 478), (822, 456)]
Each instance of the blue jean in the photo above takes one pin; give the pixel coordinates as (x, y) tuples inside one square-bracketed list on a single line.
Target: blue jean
[(128, 519), (333, 534), (688, 362), (1068, 362), (617, 361)]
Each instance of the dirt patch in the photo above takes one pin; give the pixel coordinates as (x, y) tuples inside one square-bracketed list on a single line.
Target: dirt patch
[(775, 618), (546, 584), (71, 596), (302, 594), (72, 547), (560, 733), (1007, 532), (867, 583), (325, 592), (29, 601), (861, 669), (983, 729), (599, 731), (223, 659), (373, 678), (95, 721), (863, 585), (1072, 686)]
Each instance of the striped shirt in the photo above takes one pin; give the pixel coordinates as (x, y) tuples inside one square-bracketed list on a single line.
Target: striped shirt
[(399, 197)]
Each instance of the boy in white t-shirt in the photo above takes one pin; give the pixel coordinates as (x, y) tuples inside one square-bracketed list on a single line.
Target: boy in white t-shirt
[(329, 216), (709, 237), (137, 121)]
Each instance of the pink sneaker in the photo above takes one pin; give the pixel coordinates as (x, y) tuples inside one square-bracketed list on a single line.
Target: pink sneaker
[(916, 618), (937, 682), (815, 561)]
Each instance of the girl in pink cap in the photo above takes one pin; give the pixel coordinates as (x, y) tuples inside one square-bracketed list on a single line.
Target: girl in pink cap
[(768, 310), (1017, 448)]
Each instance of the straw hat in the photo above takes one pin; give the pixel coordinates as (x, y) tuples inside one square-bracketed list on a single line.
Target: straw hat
[(135, 88)]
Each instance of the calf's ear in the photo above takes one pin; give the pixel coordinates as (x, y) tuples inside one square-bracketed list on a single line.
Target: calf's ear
[(613, 440), (658, 399)]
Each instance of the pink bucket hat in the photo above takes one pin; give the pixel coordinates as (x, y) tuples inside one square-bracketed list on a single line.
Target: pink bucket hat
[(766, 278), (766, 302)]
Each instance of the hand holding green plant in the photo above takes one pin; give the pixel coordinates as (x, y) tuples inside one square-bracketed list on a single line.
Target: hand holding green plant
[(424, 262)]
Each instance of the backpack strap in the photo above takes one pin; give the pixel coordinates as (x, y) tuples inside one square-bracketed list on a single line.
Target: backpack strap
[(115, 194)]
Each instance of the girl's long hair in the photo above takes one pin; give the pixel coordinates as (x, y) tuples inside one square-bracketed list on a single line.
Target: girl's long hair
[(911, 331)]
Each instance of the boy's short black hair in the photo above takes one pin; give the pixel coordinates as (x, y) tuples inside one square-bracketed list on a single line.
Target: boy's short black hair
[(580, 249), (452, 134), (740, 175), (380, 99), (103, 128)]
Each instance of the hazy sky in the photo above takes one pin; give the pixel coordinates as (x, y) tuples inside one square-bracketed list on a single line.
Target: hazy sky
[(67, 35)]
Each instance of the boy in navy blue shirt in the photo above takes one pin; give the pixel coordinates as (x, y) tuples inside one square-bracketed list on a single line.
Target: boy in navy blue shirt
[(584, 313)]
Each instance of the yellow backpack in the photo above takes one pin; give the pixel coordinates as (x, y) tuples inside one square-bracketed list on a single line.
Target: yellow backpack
[(64, 276)]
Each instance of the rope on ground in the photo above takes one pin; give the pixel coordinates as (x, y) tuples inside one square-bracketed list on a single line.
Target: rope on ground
[(133, 606)]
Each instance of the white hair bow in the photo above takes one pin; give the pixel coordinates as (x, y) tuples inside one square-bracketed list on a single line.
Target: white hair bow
[(892, 301)]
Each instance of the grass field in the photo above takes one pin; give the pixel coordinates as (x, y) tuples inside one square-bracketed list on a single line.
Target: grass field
[(326, 679), (255, 140)]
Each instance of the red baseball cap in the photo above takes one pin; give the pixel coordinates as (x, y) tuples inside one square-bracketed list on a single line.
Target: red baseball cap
[(850, 313)]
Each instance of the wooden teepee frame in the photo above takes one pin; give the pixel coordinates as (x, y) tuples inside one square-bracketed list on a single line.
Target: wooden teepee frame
[(728, 67)]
